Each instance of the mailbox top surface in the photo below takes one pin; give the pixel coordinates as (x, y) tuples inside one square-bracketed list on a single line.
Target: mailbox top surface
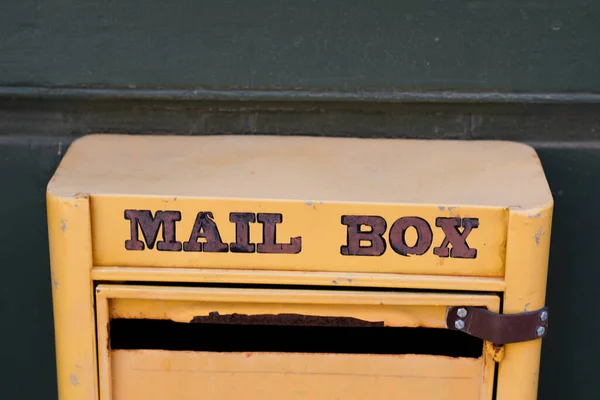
[(475, 173)]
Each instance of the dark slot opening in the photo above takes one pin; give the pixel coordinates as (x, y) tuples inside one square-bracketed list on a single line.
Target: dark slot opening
[(133, 334), (336, 287)]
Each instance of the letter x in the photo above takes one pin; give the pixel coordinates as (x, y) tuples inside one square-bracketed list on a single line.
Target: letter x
[(458, 240)]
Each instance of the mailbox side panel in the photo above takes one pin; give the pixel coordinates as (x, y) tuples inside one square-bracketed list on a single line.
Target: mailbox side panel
[(528, 246), (72, 290)]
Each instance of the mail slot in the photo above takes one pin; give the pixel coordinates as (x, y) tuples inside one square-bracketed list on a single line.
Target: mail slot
[(262, 267)]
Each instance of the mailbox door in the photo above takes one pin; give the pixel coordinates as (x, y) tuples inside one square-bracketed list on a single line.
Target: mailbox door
[(158, 342)]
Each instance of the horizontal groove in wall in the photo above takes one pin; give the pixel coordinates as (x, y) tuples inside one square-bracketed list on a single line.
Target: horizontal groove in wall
[(66, 93), (73, 113)]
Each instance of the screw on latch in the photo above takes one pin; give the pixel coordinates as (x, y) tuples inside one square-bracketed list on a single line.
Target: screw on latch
[(499, 329), (459, 323), (540, 330)]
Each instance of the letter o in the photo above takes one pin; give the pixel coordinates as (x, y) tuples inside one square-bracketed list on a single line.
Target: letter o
[(398, 236)]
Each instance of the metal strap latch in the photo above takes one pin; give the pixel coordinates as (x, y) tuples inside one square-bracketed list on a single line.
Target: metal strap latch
[(498, 328)]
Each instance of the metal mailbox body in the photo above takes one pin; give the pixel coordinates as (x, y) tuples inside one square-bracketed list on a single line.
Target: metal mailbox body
[(380, 230)]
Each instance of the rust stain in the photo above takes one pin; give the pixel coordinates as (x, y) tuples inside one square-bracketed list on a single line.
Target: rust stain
[(283, 320), (494, 350)]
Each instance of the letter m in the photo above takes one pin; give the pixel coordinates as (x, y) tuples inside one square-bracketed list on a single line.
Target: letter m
[(149, 225)]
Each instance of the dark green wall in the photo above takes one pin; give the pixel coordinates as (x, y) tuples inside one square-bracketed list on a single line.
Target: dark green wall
[(512, 70), (325, 45), (573, 169)]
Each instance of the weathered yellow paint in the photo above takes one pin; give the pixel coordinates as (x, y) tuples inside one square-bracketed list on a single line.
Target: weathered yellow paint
[(180, 375), (319, 226), (69, 233), (526, 271), (158, 375), (285, 296), (183, 304), (310, 278), (312, 182), (381, 171)]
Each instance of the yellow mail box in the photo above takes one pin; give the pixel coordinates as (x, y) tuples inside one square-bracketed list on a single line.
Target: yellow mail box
[(258, 267)]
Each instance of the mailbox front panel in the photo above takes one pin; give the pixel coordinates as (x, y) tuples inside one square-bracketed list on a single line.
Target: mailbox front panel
[(325, 336), (306, 235)]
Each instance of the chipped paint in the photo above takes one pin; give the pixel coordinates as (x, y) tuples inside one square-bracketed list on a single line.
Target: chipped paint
[(442, 208), (55, 282), (63, 225), (74, 380), (341, 279), (313, 204), (538, 234), (80, 195), (452, 212)]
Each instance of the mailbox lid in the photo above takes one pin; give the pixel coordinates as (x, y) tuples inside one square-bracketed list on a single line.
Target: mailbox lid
[(352, 170), (177, 374)]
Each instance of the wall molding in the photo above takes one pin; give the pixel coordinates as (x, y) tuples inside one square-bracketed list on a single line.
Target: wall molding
[(202, 94)]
